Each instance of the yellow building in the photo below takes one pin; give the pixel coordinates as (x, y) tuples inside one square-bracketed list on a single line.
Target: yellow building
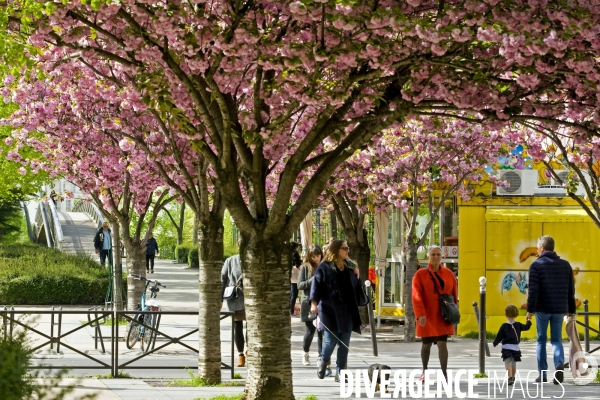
[(497, 239)]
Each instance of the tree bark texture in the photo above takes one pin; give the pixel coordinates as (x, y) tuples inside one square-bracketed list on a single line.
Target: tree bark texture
[(411, 262), (117, 268), (210, 254), (267, 268), (136, 264), (180, 227)]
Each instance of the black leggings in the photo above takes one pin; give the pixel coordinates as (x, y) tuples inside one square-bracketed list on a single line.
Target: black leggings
[(149, 262), (239, 336), (309, 334)]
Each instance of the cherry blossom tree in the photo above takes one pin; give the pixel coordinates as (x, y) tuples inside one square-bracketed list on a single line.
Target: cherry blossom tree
[(408, 165), (301, 85), (70, 121)]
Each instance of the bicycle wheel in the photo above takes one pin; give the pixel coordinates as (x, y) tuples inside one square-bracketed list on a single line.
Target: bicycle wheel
[(134, 334), (148, 335)]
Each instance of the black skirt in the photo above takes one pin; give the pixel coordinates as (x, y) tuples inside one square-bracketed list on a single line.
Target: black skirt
[(515, 354)]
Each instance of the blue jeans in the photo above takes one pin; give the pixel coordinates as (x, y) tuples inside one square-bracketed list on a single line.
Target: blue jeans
[(556, 322), (330, 342)]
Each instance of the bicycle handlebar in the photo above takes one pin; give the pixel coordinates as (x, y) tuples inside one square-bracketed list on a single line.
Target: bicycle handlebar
[(141, 278)]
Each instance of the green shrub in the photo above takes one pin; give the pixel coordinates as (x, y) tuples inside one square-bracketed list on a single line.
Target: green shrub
[(182, 252), (17, 382), (475, 335), (34, 275), (193, 260)]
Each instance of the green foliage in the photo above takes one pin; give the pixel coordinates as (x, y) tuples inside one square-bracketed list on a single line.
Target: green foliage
[(14, 185), (182, 252), (193, 260), (480, 375), (197, 381), (223, 397), (11, 221), (34, 275), (16, 383), (475, 335), (229, 237)]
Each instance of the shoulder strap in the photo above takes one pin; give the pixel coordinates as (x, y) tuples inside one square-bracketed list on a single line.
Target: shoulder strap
[(434, 282)]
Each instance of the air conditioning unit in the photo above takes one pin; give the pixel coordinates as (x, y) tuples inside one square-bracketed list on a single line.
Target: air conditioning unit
[(562, 174), (520, 182)]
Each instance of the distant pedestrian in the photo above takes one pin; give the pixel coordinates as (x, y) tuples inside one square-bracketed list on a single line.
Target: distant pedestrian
[(231, 276), (151, 251), (103, 242), (551, 295), (510, 336), (312, 259), (428, 283), (53, 197), (296, 263)]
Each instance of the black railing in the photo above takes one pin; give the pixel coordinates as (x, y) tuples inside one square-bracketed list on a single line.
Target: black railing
[(96, 317)]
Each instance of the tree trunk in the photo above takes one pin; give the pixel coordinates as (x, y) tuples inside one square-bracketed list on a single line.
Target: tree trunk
[(195, 230), (210, 254), (412, 264), (117, 268), (361, 253), (136, 264), (267, 269), (180, 227)]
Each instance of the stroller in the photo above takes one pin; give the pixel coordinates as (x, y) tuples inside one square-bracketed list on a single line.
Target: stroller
[(584, 367)]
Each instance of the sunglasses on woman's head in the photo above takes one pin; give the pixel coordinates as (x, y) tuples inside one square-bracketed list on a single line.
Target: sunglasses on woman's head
[(345, 248)]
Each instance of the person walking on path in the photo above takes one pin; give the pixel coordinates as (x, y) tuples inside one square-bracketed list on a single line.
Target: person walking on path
[(427, 284), (151, 251), (550, 296), (333, 296), (305, 278), (296, 263), (102, 242), (231, 276), (510, 336)]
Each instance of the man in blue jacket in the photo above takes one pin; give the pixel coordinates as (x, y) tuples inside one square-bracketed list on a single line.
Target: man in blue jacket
[(551, 295), (103, 242)]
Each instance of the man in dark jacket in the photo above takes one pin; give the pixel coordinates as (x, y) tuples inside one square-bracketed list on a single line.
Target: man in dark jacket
[(551, 295), (102, 242), (151, 251)]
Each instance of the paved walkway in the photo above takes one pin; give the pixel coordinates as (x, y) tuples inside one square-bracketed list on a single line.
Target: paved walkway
[(181, 294), (78, 232)]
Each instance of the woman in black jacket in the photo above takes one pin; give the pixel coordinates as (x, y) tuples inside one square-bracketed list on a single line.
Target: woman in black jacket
[(333, 296)]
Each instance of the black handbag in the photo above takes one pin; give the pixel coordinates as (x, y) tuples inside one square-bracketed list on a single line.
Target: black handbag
[(361, 297), (448, 306), (231, 292)]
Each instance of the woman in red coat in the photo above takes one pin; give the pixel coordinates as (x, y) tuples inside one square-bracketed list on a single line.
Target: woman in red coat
[(431, 327)]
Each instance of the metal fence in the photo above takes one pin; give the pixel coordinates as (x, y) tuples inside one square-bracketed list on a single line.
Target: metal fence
[(55, 339)]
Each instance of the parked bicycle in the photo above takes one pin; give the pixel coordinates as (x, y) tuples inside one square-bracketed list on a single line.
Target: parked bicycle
[(137, 331)]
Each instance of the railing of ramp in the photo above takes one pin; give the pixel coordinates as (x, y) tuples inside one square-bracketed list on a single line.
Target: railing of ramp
[(90, 209), (55, 224), (43, 220), (29, 222)]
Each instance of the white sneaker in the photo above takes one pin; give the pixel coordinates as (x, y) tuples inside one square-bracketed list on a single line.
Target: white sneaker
[(306, 359)]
